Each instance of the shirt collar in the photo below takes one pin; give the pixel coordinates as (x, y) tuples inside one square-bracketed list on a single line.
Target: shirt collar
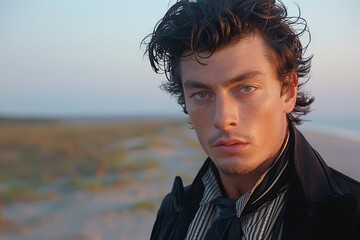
[(212, 189)]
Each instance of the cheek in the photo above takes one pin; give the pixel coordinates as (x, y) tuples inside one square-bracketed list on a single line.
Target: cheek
[(263, 107), (201, 133), (266, 113), (200, 123)]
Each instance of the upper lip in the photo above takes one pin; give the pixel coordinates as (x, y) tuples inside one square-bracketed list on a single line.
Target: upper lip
[(229, 142)]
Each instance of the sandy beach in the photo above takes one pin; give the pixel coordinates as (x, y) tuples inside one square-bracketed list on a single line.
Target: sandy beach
[(127, 210)]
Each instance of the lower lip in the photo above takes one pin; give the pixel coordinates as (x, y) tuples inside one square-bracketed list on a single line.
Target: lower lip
[(234, 148)]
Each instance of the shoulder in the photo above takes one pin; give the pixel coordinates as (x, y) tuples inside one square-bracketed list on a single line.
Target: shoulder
[(170, 210), (345, 183), (171, 202), (318, 180)]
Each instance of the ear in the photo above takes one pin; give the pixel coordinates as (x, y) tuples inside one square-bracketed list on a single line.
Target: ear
[(290, 92)]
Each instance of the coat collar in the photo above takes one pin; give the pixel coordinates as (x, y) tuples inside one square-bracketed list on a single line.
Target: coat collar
[(311, 171), (317, 208)]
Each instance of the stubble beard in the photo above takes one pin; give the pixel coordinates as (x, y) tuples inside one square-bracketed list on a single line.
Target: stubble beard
[(232, 169)]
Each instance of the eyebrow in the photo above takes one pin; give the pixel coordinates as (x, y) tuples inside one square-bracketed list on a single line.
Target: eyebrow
[(189, 84)]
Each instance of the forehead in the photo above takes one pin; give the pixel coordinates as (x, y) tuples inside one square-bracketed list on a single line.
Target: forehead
[(245, 55)]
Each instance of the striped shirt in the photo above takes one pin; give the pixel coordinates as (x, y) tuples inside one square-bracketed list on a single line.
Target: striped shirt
[(256, 225)]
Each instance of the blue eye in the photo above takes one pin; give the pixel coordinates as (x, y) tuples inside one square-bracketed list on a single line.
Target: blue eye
[(201, 95), (247, 89)]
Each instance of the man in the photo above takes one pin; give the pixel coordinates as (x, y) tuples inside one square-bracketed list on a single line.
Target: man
[(234, 66)]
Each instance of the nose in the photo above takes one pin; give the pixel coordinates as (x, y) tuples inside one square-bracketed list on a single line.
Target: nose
[(225, 113)]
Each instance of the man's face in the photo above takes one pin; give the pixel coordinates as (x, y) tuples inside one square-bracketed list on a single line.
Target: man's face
[(235, 105)]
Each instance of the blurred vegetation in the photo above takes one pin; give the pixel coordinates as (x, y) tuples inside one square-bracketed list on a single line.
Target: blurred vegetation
[(144, 205), (38, 152)]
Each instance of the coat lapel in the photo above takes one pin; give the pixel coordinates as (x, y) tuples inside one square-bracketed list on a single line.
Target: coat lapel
[(316, 208), (190, 204)]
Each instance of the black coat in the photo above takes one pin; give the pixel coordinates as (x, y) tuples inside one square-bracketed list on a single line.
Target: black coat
[(322, 203)]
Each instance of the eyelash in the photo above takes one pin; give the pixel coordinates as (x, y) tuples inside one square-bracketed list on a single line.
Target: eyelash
[(197, 95), (250, 88), (247, 89)]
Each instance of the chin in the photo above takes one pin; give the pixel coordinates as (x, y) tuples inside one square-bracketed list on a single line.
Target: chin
[(232, 167)]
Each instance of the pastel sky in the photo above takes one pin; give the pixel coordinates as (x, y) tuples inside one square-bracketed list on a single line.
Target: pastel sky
[(83, 57)]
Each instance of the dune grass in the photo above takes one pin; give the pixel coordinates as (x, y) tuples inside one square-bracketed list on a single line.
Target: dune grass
[(33, 153)]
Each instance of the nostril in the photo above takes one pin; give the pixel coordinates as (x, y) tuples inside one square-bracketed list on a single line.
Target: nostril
[(225, 124)]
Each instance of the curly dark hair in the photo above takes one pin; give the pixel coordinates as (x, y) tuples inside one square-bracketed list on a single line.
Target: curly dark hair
[(193, 27)]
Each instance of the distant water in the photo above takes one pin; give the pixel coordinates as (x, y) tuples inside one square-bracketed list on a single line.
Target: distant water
[(348, 128)]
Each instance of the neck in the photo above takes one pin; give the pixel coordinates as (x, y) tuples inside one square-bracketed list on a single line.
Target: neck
[(237, 185)]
